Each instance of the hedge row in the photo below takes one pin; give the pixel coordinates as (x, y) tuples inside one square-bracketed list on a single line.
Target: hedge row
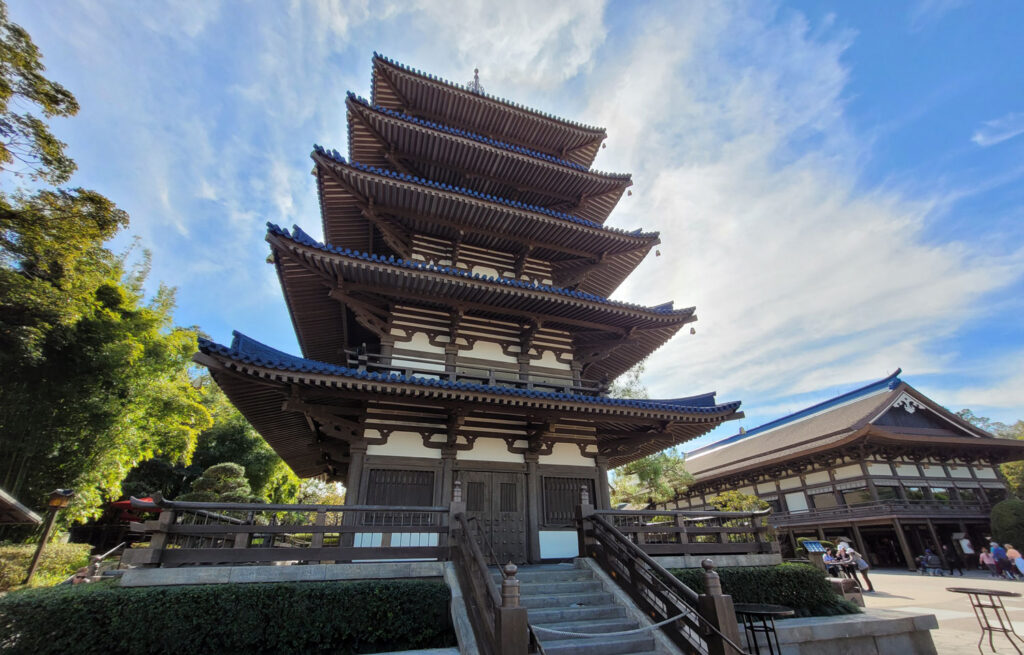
[(799, 586), (310, 617)]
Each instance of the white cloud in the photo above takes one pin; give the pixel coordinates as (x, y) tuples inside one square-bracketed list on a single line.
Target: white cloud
[(926, 13), (1000, 129)]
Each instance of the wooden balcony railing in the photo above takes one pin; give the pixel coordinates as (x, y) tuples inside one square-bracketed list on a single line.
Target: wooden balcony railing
[(881, 508), (680, 532), (252, 533), (495, 375)]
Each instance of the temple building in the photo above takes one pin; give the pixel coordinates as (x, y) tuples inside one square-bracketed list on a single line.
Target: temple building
[(454, 321), (883, 466)]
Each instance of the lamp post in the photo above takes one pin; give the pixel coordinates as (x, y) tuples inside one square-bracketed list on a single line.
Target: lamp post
[(59, 499)]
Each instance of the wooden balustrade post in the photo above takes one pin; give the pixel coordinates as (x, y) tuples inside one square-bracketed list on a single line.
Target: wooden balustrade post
[(717, 609), (512, 631), (584, 527), (158, 542), (457, 506), (317, 540)]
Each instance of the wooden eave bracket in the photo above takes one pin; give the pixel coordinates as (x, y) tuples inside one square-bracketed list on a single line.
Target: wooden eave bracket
[(366, 314)]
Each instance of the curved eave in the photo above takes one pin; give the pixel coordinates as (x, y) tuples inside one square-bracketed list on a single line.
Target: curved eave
[(307, 271), (428, 208), (452, 159), (403, 89)]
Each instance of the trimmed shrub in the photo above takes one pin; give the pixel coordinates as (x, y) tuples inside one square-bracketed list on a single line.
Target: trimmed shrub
[(57, 563), (309, 617), (1008, 522), (798, 586)]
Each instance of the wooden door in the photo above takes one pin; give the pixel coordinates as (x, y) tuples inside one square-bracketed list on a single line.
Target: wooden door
[(496, 503)]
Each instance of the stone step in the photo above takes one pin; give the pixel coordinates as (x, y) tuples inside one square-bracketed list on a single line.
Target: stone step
[(601, 645), (572, 614), (596, 626), (559, 588), (588, 599)]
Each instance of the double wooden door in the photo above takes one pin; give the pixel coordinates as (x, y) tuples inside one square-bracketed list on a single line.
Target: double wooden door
[(496, 503)]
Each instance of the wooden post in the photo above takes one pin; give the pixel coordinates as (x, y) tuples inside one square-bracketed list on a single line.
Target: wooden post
[(158, 542), (533, 494), (938, 544), (604, 498), (457, 506), (902, 538), (318, 537), (47, 529), (717, 609), (585, 531), (512, 630)]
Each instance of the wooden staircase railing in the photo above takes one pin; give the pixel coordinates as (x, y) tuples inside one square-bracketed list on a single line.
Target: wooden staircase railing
[(706, 623)]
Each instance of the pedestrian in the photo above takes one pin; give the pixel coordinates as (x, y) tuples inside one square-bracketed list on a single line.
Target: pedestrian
[(953, 560), (1002, 561), (831, 563), (932, 563), (855, 563), (1013, 557), (970, 556), (988, 561)]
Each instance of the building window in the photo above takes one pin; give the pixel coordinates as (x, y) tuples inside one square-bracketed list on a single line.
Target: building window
[(995, 495), (561, 496), (857, 496), (389, 487), (968, 495), (775, 504), (940, 494), (824, 501), (886, 492), (914, 493)]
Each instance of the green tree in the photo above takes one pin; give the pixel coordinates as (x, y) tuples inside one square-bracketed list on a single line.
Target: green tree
[(1008, 522), (27, 147), (651, 480), (222, 483), (1012, 471), (734, 501)]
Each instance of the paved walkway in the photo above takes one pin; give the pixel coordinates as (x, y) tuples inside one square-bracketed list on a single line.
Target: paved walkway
[(958, 628)]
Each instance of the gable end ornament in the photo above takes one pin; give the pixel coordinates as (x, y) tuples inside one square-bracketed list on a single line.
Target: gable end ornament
[(908, 403)]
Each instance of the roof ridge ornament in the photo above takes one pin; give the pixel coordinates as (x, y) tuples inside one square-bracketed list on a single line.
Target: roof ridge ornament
[(474, 84)]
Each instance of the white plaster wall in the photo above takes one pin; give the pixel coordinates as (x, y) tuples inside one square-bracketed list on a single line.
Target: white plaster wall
[(876, 468), (748, 491), (789, 483), (850, 471), (766, 488), (567, 454), (558, 544), (402, 444), (488, 350), (817, 477), (421, 343), (485, 270), (490, 450), (908, 470), (549, 360)]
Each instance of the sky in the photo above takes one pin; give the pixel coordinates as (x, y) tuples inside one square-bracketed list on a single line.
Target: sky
[(839, 186)]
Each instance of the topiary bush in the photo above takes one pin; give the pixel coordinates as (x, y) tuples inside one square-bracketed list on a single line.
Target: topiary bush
[(57, 563), (1008, 522), (310, 617), (798, 586)]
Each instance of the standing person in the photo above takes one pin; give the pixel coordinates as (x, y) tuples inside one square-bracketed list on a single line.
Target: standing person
[(854, 562), (1013, 557), (932, 563), (1002, 562), (953, 560), (986, 559)]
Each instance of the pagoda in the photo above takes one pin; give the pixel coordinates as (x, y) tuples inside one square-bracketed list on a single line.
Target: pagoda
[(455, 322)]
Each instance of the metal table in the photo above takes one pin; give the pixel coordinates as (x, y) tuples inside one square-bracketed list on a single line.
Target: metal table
[(983, 600), (760, 619)]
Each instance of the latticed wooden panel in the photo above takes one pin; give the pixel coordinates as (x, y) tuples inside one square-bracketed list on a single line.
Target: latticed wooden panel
[(561, 496)]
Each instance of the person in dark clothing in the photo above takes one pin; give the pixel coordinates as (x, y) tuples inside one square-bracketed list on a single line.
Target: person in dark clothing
[(953, 560)]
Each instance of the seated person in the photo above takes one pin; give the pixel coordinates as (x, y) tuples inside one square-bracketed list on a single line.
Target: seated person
[(831, 563)]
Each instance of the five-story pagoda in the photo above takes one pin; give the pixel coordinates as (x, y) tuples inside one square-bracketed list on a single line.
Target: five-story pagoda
[(455, 323)]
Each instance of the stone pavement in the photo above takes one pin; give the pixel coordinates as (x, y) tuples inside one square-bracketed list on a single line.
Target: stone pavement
[(958, 628)]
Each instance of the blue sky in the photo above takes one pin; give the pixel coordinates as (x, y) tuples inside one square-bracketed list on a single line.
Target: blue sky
[(838, 185)]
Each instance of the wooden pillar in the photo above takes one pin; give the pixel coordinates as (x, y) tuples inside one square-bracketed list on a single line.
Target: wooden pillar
[(908, 556), (859, 540), (354, 481), (523, 359), (938, 544), (821, 533), (450, 352), (604, 497), (447, 473), (387, 347), (533, 505)]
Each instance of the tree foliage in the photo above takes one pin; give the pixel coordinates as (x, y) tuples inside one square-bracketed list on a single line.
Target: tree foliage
[(222, 483), (1012, 471), (1008, 522), (27, 147), (95, 375), (734, 501), (651, 480)]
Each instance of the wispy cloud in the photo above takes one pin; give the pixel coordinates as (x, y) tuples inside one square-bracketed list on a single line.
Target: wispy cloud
[(926, 13), (1000, 129)]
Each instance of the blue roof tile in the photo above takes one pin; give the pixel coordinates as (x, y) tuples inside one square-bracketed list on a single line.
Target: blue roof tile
[(482, 139), (299, 236), (249, 351), (890, 382)]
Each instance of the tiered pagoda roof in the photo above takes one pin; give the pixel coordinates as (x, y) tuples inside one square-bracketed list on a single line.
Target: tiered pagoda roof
[(584, 254), (404, 89), (253, 375), (385, 138), (622, 333)]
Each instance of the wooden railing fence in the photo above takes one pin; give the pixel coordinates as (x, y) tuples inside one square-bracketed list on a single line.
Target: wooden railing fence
[(682, 532)]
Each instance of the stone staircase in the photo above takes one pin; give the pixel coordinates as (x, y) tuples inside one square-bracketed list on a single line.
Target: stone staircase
[(564, 597)]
